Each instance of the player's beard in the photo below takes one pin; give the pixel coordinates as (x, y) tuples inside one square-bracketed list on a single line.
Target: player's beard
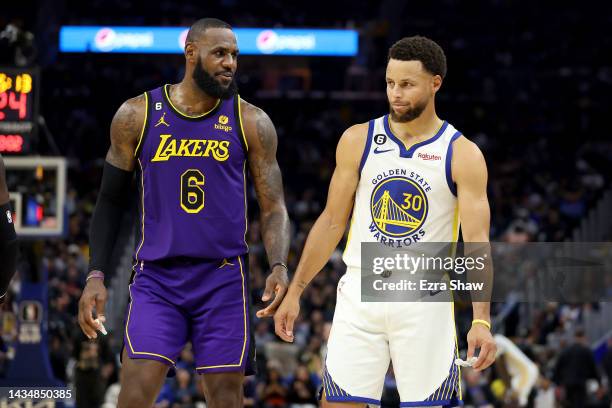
[(411, 114), (210, 85)]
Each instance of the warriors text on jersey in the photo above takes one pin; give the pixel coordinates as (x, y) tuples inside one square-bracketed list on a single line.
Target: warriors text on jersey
[(191, 181)]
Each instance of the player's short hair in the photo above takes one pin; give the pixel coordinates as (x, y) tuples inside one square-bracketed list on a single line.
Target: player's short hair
[(419, 48), (198, 28)]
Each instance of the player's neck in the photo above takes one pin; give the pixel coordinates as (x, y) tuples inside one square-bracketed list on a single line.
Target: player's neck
[(189, 98), (421, 128)]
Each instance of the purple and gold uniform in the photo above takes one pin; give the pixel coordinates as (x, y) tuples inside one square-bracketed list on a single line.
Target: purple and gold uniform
[(190, 271)]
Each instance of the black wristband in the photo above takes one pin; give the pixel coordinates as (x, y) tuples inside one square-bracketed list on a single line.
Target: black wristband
[(279, 264)]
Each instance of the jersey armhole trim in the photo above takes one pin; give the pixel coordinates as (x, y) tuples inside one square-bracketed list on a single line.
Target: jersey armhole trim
[(449, 171), (238, 116), (368, 145), (145, 126)]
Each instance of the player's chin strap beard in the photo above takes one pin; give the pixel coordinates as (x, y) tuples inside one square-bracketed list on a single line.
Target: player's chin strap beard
[(209, 85)]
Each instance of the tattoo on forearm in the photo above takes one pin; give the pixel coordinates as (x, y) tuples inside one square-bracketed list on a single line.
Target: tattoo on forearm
[(275, 233), (269, 187)]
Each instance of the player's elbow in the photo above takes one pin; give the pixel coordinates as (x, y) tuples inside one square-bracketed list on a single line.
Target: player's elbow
[(275, 209), (475, 237), (333, 222)]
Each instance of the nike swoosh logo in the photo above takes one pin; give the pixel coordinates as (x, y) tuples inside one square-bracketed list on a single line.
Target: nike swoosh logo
[(381, 151)]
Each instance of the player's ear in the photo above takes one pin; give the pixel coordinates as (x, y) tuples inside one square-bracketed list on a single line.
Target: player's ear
[(436, 83), (190, 52)]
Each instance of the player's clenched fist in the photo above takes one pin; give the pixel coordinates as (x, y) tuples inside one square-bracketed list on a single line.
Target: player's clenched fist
[(285, 316), (94, 294)]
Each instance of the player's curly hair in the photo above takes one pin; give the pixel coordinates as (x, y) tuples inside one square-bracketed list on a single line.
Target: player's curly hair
[(418, 48)]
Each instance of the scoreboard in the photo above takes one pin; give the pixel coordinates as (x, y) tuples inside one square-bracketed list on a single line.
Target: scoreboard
[(18, 108)]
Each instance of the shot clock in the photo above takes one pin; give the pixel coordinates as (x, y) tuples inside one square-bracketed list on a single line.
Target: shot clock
[(18, 108)]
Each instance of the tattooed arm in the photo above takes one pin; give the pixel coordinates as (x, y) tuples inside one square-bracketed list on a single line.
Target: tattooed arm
[(116, 181), (262, 141)]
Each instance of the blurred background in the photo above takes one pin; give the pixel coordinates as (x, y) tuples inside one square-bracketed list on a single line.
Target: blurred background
[(530, 83)]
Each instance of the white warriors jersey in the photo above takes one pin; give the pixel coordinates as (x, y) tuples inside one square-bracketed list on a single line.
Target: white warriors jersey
[(404, 195)]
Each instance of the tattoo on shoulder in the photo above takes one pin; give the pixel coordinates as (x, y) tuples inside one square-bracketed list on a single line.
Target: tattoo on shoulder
[(125, 132), (262, 159), (266, 133)]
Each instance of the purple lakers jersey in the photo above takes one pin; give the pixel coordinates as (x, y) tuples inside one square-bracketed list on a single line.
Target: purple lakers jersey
[(192, 182)]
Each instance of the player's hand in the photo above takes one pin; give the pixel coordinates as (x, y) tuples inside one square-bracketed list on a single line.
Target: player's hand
[(276, 285), (480, 336), (285, 316), (94, 294)]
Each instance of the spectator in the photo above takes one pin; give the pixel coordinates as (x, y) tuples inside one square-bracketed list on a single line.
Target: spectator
[(184, 389), (58, 354), (89, 388), (111, 398), (95, 370), (574, 367), (302, 392), (607, 365), (545, 394), (476, 391), (250, 391), (274, 393)]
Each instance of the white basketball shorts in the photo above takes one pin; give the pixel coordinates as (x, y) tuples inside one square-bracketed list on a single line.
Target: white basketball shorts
[(417, 337)]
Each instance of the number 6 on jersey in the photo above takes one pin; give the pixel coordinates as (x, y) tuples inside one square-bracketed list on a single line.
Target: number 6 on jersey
[(192, 194)]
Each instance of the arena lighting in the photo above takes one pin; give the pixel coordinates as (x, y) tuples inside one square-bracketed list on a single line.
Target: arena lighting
[(171, 40)]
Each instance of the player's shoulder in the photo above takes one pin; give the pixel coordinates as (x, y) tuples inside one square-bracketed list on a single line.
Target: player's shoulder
[(352, 143), (356, 133), (354, 137), (136, 105), (250, 112), (465, 150), (258, 127), (129, 118), (468, 162)]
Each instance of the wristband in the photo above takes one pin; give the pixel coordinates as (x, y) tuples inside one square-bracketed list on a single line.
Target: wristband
[(279, 264), (484, 322), (95, 274)]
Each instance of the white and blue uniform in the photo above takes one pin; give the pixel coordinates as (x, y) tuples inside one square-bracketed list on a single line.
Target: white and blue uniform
[(404, 195)]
